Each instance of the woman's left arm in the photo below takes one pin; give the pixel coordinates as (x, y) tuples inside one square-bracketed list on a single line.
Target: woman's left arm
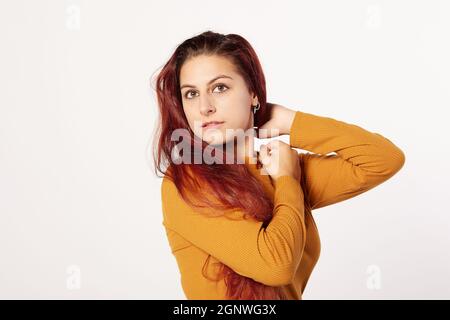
[(362, 161)]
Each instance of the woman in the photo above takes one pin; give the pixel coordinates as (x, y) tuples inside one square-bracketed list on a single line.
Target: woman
[(244, 230)]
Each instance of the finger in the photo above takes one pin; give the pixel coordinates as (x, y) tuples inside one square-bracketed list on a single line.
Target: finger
[(273, 144), (261, 132), (263, 151), (263, 154)]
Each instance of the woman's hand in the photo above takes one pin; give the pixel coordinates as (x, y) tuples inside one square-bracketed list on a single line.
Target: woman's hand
[(279, 159), (281, 118)]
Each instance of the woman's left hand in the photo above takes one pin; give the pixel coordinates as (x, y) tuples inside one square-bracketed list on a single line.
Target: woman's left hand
[(280, 122)]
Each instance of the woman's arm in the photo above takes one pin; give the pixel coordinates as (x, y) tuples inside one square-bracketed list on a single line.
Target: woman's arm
[(268, 255), (362, 161)]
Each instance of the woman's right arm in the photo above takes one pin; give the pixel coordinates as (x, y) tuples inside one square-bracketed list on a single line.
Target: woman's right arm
[(268, 255)]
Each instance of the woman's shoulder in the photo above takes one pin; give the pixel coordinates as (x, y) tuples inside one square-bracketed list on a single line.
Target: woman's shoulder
[(173, 178)]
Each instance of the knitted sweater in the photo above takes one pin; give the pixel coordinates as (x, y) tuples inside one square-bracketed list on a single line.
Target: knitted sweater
[(284, 252)]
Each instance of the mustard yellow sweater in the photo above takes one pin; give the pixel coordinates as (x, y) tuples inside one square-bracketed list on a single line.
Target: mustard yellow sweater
[(286, 251)]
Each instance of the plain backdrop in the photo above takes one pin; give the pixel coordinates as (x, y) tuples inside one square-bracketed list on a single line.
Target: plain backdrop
[(80, 206)]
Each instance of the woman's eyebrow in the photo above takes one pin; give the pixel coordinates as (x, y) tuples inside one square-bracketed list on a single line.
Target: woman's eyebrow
[(209, 82)]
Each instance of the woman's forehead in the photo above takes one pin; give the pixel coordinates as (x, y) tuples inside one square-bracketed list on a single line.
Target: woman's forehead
[(203, 69)]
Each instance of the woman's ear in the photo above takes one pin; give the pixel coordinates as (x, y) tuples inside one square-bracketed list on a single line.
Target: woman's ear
[(254, 99)]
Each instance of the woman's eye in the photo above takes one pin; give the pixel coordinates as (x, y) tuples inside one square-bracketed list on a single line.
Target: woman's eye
[(187, 94), (223, 86)]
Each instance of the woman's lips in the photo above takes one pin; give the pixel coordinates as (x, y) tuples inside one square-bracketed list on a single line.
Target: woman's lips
[(212, 125)]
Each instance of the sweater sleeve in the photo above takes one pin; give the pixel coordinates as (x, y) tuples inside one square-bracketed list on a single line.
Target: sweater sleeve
[(268, 254), (362, 159)]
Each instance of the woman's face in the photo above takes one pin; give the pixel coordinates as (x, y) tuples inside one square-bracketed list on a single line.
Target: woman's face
[(211, 90)]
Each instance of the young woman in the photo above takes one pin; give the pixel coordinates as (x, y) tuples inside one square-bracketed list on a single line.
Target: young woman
[(244, 230)]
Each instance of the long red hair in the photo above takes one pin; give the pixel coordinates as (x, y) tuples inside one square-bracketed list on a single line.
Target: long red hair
[(224, 181)]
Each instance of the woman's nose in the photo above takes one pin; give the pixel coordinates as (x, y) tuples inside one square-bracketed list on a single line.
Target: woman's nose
[(206, 105)]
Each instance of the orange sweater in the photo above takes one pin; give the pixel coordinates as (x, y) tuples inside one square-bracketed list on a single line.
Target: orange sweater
[(362, 161)]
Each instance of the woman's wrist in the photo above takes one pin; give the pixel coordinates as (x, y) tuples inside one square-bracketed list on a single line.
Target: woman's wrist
[(281, 119), (290, 115)]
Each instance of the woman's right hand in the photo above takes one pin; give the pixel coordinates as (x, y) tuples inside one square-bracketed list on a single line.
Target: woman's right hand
[(279, 159)]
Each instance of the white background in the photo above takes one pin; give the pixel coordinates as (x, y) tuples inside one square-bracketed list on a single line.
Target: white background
[(80, 208)]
